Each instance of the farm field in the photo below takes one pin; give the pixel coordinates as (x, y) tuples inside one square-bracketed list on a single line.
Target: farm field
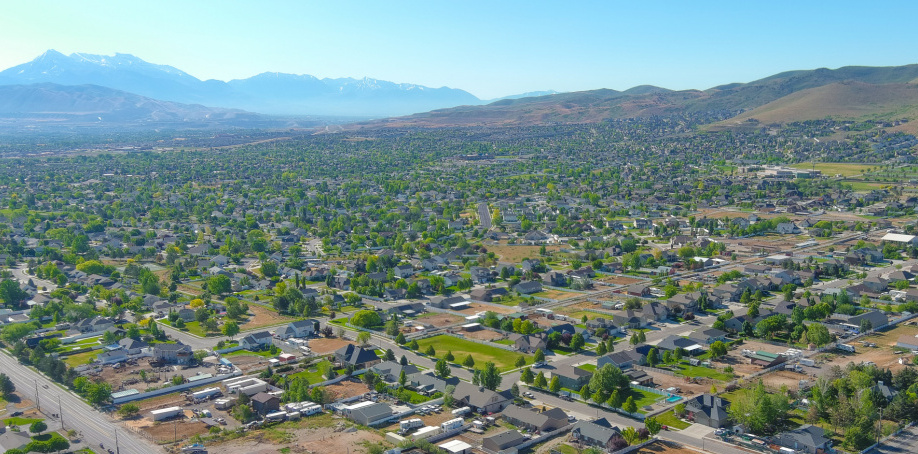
[(501, 358), (836, 168)]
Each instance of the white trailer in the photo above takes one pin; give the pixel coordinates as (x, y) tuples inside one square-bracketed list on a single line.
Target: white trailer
[(461, 411), (425, 432), (165, 413), (206, 393), (846, 347), (293, 415), (807, 362), (451, 424), (223, 404), (310, 410), (276, 416), (408, 424)]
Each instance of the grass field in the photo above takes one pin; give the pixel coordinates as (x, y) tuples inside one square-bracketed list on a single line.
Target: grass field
[(698, 371), (642, 398), (503, 359), (833, 168), (263, 354), (21, 422), (669, 419), (587, 367), (516, 254), (81, 358), (311, 375)]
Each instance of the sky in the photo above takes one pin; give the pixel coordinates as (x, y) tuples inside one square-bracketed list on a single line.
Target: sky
[(489, 48)]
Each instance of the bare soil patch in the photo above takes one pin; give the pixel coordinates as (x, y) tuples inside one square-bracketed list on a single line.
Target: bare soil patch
[(665, 447), (308, 436), (347, 388), (482, 334), (261, 317), (787, 378), (326, 345), (619, 280), (249, 363), (155, 403), (516, 253), (664, 381), (475, 308), (167, 431), (440, 320)]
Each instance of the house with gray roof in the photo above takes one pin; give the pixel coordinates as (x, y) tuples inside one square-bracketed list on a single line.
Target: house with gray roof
[(389, 371), (595, 433), (622, 360), (709, 410), (356, 356), (370, 414), (503, 440), (479, 398), (533, 419), (807, 438)]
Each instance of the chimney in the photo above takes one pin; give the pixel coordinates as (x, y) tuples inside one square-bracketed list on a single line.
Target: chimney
[(481, 389)]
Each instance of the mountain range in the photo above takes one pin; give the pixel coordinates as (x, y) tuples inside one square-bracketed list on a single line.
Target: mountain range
[(266, 93), (84, 89)]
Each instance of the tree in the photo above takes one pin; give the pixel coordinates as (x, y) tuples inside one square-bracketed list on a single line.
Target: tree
[(652, 358), (818, 334), (515, 391), (577, 342), (753, 311), (718, 349), (866, 326), (402, 378), (403, 361), (630, 406), (128, 410), (366, 319), (392, 328), (630, 435), (449, 356), (540, 381), (38, 427), (448, 395), (526, 376), (490, 376), (429, 351), (521, 361), (7, 387), (585, 392), (11, 293), (363, 338), (389, 355), (653, 426), (539, 356), (15, 332), (601, 349), (230, 329), (219, 284), (414, 344), (554, 385), (605, 380), (400, 339), (469, 362), (442, 369)]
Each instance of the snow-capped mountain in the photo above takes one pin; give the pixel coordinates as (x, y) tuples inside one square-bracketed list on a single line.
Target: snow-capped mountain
[(272, 93)]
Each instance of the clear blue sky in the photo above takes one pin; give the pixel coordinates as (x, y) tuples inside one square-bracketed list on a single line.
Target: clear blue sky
[(490, 48)]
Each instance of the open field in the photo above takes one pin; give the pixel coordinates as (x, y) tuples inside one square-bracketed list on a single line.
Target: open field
[(883, 355), (316, 434), (439, 320), (482, 334), (669, 419), (475, 308), (836, 168), (347, 388), (516, 254), (664, 381), (553, 294), (81, 358), (618, 280), (325, 346), (503, 359), (778, 378), (261, 317)]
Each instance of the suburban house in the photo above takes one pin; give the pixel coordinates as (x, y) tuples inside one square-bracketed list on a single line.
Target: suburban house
[(256, 341), (173, 353), (264, 403), (534, 420), (594, 433), (655, 311), (503, 440), (299, 328), (480, 399), (622, 360), (709, 410), (639, 377), (132, 346), (487, 294), (358, 357), (94, 325), (788, 228), (528, 287), (672, 343), (555, 279), (630, 319), (708, 336), (389, 371), (876, 319), (571, 377), (426, 383), (529, 343), (807, 438)]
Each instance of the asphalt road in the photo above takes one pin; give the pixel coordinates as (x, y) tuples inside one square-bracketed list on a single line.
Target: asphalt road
[(484, 216), (906, 442), (94, 426), (20, 274)]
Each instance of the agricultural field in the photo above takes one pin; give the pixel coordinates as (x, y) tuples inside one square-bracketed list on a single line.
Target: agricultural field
[(482, 353)]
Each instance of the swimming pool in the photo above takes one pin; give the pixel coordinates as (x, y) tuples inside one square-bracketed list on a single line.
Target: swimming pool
[(674, 398)]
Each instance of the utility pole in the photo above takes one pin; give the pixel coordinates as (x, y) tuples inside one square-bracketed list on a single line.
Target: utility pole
[(60, 409), (37, 397), (117, 449)]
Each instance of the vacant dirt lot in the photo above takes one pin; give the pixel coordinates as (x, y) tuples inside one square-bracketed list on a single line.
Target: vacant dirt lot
[(171, 430), (325, 346), (475, 308), (664, 381), (439, 320), (787, 378), (482, 334), (347, 388), (310, 435), (249, 362), (516, 254), (155, 403), (261, 317), (618, 280), (665, 447)]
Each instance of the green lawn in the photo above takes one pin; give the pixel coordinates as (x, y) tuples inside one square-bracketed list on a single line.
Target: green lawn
[(263, 354), (21, 422), (669, 419), (312, 375), (698, 371), (195, 328), (81, 358), (504, 342), (566, 449), (588, 367), (642, 398), (340, 321), (482, 353)]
